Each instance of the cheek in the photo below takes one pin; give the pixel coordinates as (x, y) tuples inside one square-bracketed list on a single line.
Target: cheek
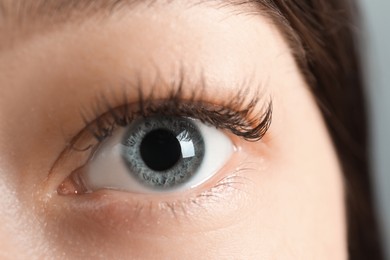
[(18, 223), (300, 196), (213, 226)]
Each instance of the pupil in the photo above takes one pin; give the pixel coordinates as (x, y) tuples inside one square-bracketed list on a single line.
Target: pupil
[(160, 150)]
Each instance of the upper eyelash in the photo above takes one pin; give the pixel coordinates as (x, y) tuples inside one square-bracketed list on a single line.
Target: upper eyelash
[(240, 114), (237, 116)]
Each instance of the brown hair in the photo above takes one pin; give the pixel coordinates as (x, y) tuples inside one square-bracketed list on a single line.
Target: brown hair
[(323, 37)]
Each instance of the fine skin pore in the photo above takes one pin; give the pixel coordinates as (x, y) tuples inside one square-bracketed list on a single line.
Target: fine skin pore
[(286, 202)]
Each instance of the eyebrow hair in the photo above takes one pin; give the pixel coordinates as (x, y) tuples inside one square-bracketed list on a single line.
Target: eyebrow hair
[(17, 13), (52, 11)]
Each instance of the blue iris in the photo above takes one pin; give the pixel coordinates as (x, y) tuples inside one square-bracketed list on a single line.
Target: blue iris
[(163, 152)]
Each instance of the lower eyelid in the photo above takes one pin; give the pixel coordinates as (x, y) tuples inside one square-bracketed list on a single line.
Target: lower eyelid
[(214, 205), (117, 211)]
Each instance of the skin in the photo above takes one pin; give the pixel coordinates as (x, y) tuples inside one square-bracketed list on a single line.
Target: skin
[(286, 200)]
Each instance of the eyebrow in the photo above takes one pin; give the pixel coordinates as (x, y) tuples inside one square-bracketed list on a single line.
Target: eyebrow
[(18, 13), (25, 12)]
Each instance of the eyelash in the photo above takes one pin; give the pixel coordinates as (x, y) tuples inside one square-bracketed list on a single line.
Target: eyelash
[(238, 116)]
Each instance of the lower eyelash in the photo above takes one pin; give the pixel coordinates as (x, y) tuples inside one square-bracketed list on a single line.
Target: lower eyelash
[(179, 208), (116, 213), (231, 182)]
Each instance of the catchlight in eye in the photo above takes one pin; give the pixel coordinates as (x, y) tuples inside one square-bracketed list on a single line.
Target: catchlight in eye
[(163, 152), (158, 154)]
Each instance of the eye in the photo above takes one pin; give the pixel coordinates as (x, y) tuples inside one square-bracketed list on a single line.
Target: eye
[(159, 144), (158, 154)]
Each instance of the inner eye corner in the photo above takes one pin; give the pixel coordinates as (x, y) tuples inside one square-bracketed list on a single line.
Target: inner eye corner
[(167, 157)]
